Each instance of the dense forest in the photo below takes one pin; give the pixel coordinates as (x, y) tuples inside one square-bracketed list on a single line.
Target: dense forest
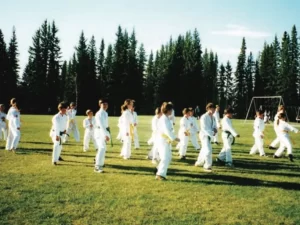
[(181, 71)]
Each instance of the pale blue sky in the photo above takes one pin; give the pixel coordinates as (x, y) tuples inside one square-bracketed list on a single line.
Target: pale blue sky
[(221, 23)]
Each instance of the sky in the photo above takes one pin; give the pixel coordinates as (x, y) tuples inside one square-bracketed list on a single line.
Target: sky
[(221, 23)]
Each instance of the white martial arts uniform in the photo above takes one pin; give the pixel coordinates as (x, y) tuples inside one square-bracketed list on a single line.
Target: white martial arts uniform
[(72, 125), (59, 123), (173, 118), (165, 136), (228, 133), (119, 137), (101, 132), (194, 132), (283, 130), (89, 125), (277, 139), (259, 127), (3, 127), (127, 133), (207, 127), (153, 154), (183, 134), (135, 133), (14, 134), (216, 116)]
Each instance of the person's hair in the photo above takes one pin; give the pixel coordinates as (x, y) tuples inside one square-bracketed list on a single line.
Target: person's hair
[(166, 107), (281, 116), (88, 112), (2, 105), (170, 103), (210, 106), (217, 106), (72, 104), (102, 101), (259, 112), (185, 111), (228, 111), (281, 107), (125, 105), (13, 101), (62, 105), (157, 110)]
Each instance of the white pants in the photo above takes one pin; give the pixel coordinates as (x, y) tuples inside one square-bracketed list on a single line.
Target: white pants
[(194, 140), (165, 155), (205, 154), (3, 131), (183, 144), (136, 138), (88, 136), (276, 141), (285, 142), (258, 146), (225, 154), (119, 137), (13, 138), (153, 154), (72, 128), (57, 147), (216, 138), (100, 156), (126, 148)]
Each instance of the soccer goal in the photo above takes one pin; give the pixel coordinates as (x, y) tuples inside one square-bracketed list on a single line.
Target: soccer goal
[(268, 104)]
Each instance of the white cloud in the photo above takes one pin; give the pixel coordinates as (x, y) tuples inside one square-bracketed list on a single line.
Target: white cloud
[(234, 30), (227, 51)]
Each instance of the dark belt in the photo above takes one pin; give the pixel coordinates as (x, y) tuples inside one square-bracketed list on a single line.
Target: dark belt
[(228, 135)]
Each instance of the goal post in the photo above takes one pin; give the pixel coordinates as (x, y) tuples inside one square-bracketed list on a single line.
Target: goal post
[(257, 98)]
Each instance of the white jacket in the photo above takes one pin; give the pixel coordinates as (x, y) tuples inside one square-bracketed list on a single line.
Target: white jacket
[(184, 126), (59, 123), (87, 124), (227, 126), (284, 128), (259, 127), (207, 125), (165, 133), (194, 125), (216, 115), (13, 117), (126, 122), (101, 121)]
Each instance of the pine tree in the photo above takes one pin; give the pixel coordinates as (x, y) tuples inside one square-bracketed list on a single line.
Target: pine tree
[(276, 64), (229, 89), (100, 65), (107, 79), (284, 79), (63, 76), (249, 78), (3, 69), (294, 70), (141, 64), (92, 75), (221, 85), (258, 83), (149, 85), (70, 90)]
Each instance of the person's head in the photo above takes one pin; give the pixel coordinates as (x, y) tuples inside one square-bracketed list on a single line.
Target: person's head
[(281, 109), (13, 102), (103, 103), (72, 105), (2, 107), (158, 111), (260, 114), (217, 108), (228, 112), (191, 111), (62, 108), (186, 112), (133, 108), (166, 109), (89, 113), (210, 108), (128, 104)]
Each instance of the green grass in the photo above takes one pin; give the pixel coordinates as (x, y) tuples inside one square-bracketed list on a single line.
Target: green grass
[(257, 191)]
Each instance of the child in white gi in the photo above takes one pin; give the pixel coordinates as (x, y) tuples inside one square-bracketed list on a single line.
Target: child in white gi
[(273, 145), (194, 130), (228, 136), (3, 127), (72, 124), (218, 124), (89, 124), (59, 123), (283, 129), (135, 124), (259, 127), (184, 133)]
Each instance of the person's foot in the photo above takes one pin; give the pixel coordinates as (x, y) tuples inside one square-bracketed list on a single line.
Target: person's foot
[(154, 162), (197, 164), (183, 157), (125, 158), (264, 155), (54, 163), (160, 178), (271, 147), (60, 159), (198, 149), (217, 143), (229, 165), (84, 150), (276, 157), (219, 161), (98, 170), (13, 150), (155, 170), (291, 157), (136, 148)]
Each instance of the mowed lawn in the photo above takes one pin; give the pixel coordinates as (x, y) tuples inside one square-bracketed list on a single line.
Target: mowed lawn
[(257, 191)]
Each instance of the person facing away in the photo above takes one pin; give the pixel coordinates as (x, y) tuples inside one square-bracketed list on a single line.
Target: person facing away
[(135, 130), (258, 134), (89, 124), (3, 126), (72, 124), (216, 116), (197, 112), (195, 130), (281, 109), (184, 133)]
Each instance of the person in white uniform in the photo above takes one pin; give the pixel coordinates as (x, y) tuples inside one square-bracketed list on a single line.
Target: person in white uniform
[(72, 124), (135, 131), (276, 141), (172, 117), (119, 136), (208, 130), (127, 128), (228, 137), (14, 124), (3, 126), (258, 134), (165, 136), (283, 129), (59, 123), (89, 124), (195, 130), (184, 133), (102, 135), (218, 124)]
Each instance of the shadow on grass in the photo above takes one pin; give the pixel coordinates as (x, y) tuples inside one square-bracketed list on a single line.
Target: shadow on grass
[(36, 142), (258, 165), (34, 150)]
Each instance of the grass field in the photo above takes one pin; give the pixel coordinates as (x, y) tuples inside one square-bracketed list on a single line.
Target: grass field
[(257, 191)]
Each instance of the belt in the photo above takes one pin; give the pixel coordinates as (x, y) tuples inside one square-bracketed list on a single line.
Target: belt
[(228, 135)]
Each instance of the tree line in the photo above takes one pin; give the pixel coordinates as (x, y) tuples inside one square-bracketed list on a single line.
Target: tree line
[(180, 71)]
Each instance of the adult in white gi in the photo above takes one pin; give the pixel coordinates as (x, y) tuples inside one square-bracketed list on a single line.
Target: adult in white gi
[(218, 124), (135, 133), (194, 130), (283, 130), (127, 128), (165, 136), (184, 133), (14, 124), (102, 135), (228, 136), (72, 124), (274, 143), (59, 123), (258, 134), (3, 127), (207, 132), (89, 125)]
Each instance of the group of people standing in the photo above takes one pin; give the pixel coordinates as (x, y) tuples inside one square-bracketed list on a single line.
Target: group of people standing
[(163, 133)]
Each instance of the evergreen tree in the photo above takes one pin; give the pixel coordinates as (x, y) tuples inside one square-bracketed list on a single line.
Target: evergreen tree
[(294, 70), (258, 83), (141, 64), (3, 69), (221, 85), (70, 90), (91, 78), (149, 85), (63, 78), (276, 64), (107, 79), (100, 65), (249, 78), (229, 89), (284, 79)]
